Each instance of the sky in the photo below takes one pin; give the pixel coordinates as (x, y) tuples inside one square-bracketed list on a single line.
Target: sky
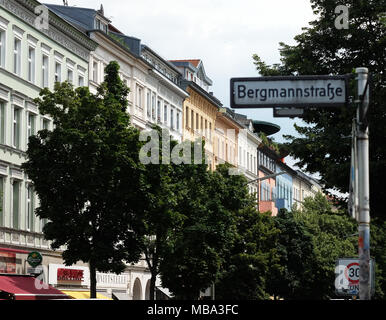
[(224, 34)]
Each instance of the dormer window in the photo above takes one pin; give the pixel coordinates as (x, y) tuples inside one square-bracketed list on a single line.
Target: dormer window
[(100, 25)]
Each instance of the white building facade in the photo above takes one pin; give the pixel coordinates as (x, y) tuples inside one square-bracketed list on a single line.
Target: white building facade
[(31, 58)]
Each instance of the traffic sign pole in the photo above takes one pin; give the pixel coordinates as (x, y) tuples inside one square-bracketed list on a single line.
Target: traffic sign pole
[(363, 185)]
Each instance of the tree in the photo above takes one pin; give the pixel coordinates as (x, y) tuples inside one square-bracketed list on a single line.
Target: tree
[(252, 257), (86, 174), (196, 250), (161, 189), (333, 236), (321, 49), (378, 252), (295, 250)]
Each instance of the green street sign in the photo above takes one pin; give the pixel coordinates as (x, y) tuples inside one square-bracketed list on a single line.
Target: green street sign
[(34, 259)]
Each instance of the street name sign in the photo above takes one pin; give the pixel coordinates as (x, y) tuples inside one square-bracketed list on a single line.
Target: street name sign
[(347, 276), (291, 91)]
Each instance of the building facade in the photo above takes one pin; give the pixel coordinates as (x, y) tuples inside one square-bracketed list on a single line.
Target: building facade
[(200, 108), (32, 57), (304, 187), (284, 186), (226, 138), (267, 161), (248, 144), (155, 97)]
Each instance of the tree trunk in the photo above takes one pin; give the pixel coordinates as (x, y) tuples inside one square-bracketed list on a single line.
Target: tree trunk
[(92, 280), (152, 285)]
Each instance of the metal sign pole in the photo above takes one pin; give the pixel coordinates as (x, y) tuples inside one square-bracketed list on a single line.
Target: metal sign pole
[(363, 184)]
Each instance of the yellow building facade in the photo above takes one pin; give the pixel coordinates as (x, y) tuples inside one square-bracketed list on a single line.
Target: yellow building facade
[(200, 109)]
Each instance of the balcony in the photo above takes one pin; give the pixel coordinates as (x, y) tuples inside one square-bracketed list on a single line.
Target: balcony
[(265, 206)]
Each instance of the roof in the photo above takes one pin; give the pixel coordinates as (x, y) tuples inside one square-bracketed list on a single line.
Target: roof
[(24, 287), (81, 17), (167, 62), (229, 114), (194, 62), (193, 85), (195, 65)]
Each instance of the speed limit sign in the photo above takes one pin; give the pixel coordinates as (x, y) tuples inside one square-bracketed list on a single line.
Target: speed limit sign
[(351, 272), (347, 276)]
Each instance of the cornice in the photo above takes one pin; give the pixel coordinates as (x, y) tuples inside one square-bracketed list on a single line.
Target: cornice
[(59, 30)]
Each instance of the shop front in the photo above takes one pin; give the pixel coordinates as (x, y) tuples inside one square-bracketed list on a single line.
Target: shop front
[(75, 282)]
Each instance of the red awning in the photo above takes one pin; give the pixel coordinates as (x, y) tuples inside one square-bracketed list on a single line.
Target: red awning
[(24, 288), (13, 250)]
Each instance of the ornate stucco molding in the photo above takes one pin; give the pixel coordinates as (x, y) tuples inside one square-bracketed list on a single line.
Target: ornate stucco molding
[(59, 30)]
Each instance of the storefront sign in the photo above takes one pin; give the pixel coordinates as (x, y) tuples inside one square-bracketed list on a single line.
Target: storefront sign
[(74, 275), (69, 274), (34, 259), (59, 274)]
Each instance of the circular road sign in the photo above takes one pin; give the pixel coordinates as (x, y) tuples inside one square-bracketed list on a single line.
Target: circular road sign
[(351, 273), (34, 259)]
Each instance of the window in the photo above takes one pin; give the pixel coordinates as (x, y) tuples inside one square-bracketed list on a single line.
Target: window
[(31, 64), (202, 125), (17, 56), (139, 97), (81, 81), (187, 117), (148, 105), (16, 127), (206, 128), (58, 72), (159, 111), (97, 24), (165, 114), (2, 122), (210, 131), (15, 204), (45, 62), (70, 76), (192, 120), (30, 208), (1, 201), (30, 125), (197, 124), (178, 121), (171, 118), (46, 124), (104, 70), (2, 48), (95, 71), (153, 114)]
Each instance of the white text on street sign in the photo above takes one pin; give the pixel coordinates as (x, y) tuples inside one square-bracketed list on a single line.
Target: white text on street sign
[(296, 91)]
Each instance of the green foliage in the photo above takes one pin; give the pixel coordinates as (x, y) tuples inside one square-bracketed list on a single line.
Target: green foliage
[(309, 243), (252, 257), (295, 251), (197, 249), (163, 190), (378, 252), (86, 173), (322, 49)]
